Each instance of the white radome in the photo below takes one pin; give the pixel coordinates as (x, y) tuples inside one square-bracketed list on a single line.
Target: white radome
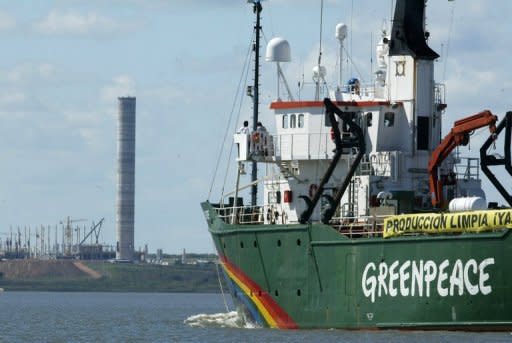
[(319, 71), (341, 31), (278, 50)]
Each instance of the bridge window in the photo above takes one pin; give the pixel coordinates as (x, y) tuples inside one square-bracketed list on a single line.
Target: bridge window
[(301, 120), (389, 119), (293, 121), (285, 121), (369, 117)]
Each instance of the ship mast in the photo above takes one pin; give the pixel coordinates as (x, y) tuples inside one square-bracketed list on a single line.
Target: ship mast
[(256, 48)]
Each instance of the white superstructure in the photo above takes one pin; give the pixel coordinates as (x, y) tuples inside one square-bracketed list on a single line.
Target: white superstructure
[(399, 115)]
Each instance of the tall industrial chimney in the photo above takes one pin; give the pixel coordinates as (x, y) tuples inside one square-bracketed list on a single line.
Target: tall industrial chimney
[(125, 179)]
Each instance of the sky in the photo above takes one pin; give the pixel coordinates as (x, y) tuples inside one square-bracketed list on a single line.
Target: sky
[(65, 62)]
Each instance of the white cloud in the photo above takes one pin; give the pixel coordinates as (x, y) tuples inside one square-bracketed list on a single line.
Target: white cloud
[(70, 22), (29, 72), (122, 85), (167, 95), (83, 118), (16, 104), (12, 97), (91, 136), (6, 22)]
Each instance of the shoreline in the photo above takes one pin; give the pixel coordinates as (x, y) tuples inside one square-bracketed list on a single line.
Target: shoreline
[(102, 276)]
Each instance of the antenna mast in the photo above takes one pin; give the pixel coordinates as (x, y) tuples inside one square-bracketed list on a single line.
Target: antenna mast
[(256, 48), (317, 72), (341, 34)]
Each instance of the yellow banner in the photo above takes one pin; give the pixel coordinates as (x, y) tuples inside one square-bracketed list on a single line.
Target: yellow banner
[(439, 223)]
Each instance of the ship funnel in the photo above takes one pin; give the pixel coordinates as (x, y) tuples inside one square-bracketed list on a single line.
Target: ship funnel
[(408, 36)]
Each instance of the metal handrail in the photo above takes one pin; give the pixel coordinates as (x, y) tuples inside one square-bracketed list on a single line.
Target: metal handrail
[(471, 168), (285, 146), (366, 90), (356, 226), (252, 214), (360, 226)]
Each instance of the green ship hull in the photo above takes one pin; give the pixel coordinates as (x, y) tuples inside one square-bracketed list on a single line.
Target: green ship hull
[(311, 276)]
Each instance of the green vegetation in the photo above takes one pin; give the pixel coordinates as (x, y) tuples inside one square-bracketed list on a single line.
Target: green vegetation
[(123, 278), (157, 278)]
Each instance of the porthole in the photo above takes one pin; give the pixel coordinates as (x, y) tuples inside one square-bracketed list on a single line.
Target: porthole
[(298, 292), (298, 242)]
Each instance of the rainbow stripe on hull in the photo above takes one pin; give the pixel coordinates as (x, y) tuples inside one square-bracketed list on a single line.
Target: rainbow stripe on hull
[(259, 304)]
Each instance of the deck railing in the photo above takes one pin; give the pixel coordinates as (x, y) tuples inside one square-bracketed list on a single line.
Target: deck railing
[(251, 214), (296, 146), (361, 226), (352, 227), (366, 90), (468, 168)]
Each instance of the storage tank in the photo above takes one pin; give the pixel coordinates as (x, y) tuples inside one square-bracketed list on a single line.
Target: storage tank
[(467, 204), (125, 213)]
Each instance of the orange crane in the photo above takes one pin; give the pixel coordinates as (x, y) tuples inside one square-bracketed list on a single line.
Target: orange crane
[(459, 135)]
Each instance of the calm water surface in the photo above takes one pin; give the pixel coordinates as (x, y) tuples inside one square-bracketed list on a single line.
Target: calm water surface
[(148, 317)]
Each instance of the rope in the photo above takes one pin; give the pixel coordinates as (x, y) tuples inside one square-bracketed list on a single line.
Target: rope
[(371, 55), (265, 39), (449, 39), (269, 11), (321, 30), (221, 288), (237, 118), (351, 34), (354, 65), (229, 120)]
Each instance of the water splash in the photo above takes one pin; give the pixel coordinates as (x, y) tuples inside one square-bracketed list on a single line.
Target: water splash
[(223, 320)]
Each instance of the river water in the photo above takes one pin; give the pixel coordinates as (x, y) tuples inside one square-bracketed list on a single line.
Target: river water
[(169, 317)]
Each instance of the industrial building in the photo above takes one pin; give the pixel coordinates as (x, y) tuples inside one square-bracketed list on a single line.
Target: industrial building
[(125, 214)]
